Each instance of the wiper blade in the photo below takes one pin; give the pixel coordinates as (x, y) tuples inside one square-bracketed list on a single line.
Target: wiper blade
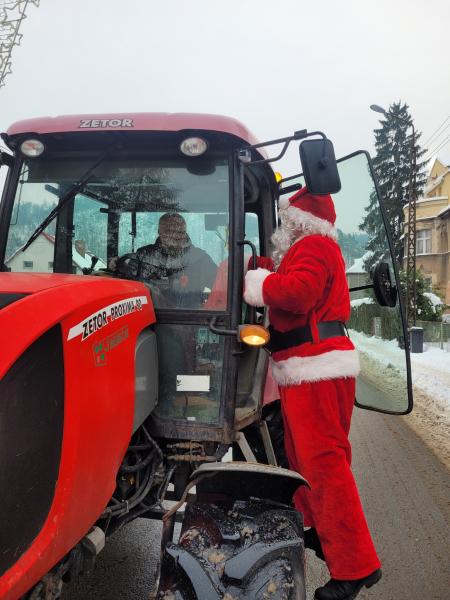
[(74, 190)]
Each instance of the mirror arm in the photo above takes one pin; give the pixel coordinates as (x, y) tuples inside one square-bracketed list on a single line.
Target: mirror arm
[(245, 153), (6, 159), (361, 287), (290, 188)]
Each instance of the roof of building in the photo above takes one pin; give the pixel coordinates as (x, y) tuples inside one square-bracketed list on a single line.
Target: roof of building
[(444, 212), (434, 183), (357, 266), (48, 237)]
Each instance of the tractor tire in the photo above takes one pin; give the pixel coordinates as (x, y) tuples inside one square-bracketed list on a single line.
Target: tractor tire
[(249, 550)]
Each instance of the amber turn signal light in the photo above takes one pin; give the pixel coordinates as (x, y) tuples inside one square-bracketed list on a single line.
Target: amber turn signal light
[(253, 335)]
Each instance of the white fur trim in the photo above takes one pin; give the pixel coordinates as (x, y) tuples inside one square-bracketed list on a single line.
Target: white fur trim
[(331, 365), (310, 223), (254, 280), (283, 203)]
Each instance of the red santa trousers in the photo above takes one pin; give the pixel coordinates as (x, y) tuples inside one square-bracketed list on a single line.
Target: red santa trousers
[(317, 419)]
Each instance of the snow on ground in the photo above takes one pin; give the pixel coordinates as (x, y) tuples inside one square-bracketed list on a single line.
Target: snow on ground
[(383, 362), (358, 301)]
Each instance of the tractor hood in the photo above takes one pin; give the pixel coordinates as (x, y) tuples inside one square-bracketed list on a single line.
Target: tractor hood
[(68, 403), (31, 304)]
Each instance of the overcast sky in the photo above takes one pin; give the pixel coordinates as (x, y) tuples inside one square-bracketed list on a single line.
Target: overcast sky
[(278, 66)]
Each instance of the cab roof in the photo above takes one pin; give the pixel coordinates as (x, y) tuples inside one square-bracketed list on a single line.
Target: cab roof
[(133, 122)]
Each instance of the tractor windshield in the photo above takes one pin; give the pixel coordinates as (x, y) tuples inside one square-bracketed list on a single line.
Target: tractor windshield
[(164, 222)]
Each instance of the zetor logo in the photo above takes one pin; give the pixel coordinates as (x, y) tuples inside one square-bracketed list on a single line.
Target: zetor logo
[(102, 123), (105, 316)]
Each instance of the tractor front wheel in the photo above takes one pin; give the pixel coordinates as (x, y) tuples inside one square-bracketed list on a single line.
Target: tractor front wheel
[(249, 550)]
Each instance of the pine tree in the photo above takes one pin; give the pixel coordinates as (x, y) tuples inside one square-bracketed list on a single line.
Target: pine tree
[(425, 310), (392, 165)]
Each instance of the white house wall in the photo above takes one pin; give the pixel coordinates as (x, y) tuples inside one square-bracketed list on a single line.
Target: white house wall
[(41, 253)]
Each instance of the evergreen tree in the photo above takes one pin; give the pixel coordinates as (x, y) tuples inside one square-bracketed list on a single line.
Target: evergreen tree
[(425, 310), (353, 246), (393, 163)]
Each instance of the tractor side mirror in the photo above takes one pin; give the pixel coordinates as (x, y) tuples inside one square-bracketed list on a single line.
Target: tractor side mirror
[(383, 287), (319, 167)]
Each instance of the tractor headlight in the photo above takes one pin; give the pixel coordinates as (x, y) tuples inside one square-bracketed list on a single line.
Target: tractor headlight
[(193, 146), (32, 148)]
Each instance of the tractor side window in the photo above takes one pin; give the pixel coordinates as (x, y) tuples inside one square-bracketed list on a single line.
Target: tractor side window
[(174, 227), (90, 227), (32, 203), (252, 230)]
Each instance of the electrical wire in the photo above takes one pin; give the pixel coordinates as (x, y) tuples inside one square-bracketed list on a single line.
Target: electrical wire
[(439, 147), (429, 140)]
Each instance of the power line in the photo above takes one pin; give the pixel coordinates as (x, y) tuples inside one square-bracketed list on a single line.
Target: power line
[(12, 13), (437, 139), (439, 147), (434, 132)]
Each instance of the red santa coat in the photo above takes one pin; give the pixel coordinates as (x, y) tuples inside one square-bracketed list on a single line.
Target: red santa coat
[(309, 287), (317, 380)]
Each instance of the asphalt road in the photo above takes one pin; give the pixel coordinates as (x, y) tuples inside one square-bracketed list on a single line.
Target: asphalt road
[(405, 490)]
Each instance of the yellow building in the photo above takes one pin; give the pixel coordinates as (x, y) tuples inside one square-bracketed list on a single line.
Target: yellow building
[(433, 230)]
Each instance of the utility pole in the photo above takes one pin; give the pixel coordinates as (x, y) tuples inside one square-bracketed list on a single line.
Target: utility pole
[(411, 284), (12, 13)]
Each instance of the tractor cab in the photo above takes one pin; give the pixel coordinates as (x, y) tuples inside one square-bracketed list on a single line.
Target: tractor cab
[(110, 185)]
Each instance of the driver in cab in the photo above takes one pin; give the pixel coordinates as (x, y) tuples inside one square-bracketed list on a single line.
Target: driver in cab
[(180, 270)]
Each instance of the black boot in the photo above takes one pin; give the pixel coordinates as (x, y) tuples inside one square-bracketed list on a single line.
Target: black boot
[(340, 589), (313, 543)]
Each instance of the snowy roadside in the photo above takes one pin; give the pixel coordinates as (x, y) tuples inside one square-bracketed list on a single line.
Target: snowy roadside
[(430, 418)]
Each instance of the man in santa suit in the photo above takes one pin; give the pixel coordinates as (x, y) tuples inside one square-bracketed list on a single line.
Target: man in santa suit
[(315, 365)]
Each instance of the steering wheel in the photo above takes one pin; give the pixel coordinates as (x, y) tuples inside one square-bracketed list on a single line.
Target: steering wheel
[(129, 266)]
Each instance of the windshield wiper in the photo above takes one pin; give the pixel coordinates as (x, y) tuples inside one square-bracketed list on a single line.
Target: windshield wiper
[(74, 190)]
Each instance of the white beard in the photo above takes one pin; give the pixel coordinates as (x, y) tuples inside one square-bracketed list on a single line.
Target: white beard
[(285, 236), (282, 240)]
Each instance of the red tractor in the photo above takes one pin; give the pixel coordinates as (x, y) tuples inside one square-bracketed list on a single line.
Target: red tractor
[(119, 379)]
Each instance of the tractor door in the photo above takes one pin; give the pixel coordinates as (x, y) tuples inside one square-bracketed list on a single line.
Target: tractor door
[(377, 324), (259, 223)]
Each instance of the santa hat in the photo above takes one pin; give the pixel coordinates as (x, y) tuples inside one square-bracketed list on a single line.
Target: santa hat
[(315, 214)]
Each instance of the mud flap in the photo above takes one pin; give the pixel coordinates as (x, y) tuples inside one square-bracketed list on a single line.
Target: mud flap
[(243, 480)]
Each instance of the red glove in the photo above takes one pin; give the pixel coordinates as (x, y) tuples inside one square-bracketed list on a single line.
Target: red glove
[(262, 262)]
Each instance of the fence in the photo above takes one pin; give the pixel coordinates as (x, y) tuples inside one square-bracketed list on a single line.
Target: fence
[(373, 319), (384, 323), (436, 334)]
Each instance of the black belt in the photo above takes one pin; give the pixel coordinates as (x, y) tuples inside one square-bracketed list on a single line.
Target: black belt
[(300, 335)]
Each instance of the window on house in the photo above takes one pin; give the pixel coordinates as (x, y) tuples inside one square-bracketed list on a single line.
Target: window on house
[(27, 264), (423, 241)]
